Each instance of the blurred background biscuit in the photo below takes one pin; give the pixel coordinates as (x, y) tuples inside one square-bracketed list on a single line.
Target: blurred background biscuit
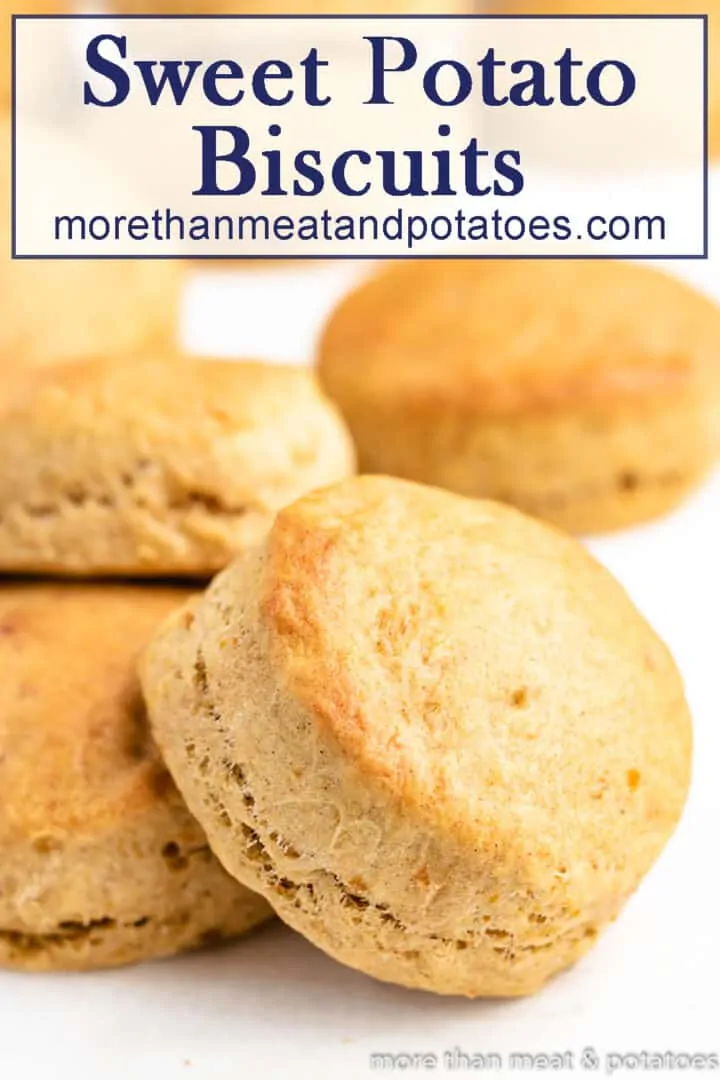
[(100, 861), (585, 392), (435, 734), (158, 466)]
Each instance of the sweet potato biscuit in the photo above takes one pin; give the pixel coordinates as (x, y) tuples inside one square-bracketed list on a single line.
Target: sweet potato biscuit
[(583, 392), (100, 861), (157, 467), (435, 734)]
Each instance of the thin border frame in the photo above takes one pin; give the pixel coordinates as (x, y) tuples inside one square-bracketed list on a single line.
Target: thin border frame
[(114, 17)]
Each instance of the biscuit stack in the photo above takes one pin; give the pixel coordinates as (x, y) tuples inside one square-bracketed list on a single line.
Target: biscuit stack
[(133, 467), (428, 731)]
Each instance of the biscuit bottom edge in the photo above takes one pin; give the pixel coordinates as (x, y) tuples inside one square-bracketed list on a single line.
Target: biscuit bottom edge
[(633, 501), (109, 943), (402, 955)]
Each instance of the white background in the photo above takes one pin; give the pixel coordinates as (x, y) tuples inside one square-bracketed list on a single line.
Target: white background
[(274, 1007)]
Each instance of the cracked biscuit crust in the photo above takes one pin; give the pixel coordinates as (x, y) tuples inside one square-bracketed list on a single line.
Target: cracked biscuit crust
[(157, 466), (101, 863), (586, 393), (435, 734)]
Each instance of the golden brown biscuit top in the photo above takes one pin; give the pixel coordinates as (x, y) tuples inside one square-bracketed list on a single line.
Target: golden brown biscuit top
[(509, 336), (75, 752), (158, 393), (474, 662)]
